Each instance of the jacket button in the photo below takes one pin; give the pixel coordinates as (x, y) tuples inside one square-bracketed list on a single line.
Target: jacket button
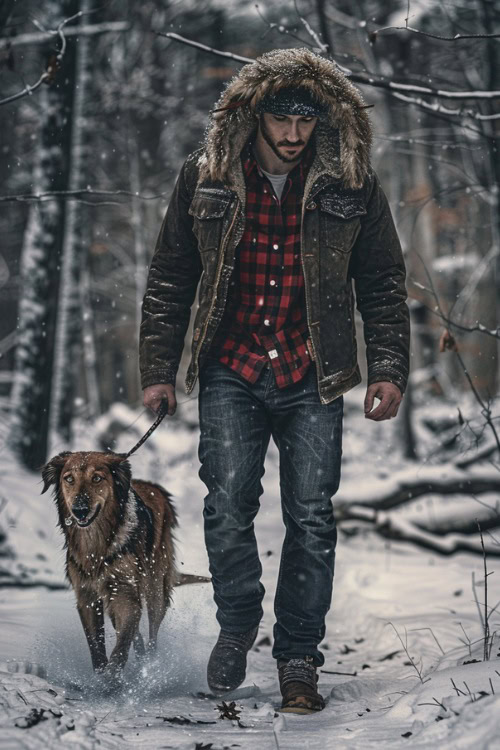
[(311, 205)]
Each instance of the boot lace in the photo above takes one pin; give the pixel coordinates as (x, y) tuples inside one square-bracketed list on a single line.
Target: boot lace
[(298, 670)]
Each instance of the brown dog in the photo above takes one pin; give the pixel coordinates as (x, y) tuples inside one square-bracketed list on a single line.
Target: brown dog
[(118, 535)]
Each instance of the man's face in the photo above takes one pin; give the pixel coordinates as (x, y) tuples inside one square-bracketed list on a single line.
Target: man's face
[(287, 135)]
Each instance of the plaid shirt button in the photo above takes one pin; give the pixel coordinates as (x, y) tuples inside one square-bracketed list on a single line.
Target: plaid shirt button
[(267, 322), (273, 354)]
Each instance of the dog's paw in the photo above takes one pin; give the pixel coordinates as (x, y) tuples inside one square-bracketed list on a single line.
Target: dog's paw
[(101, 668), (109, 679)]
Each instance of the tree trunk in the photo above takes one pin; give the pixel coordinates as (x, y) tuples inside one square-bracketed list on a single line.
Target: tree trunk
[(68, 341), (41, 257)]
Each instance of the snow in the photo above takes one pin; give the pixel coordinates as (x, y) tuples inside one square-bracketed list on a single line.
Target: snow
[(383, 592)]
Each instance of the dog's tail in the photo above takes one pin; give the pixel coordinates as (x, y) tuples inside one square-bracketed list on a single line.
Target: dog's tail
[(181, 579)]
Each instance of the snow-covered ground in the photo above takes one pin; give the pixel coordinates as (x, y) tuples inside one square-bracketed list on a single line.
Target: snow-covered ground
[(384, 592)]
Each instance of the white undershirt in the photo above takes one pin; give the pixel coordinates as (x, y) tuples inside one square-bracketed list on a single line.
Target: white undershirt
[(277, 181)]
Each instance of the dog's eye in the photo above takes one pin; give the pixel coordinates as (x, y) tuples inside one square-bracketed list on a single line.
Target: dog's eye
[(69, 479), (96, 478)]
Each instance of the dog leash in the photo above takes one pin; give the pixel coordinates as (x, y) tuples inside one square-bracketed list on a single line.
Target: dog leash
[(162, 411)]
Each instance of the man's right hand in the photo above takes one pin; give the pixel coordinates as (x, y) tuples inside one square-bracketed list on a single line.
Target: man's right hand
[(155, 394)]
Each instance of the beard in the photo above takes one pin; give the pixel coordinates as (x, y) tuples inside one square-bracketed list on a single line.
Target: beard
[(274, 146)]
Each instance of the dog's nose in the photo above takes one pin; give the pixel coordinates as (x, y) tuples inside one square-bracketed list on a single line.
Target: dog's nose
[(80, 508)]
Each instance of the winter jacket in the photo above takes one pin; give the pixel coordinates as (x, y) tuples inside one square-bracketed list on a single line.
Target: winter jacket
[(348, 237)]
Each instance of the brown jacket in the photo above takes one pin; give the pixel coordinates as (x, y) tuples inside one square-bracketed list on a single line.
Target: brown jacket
[(348, 235)]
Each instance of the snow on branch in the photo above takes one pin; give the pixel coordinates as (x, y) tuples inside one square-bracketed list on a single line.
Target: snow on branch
[(390, 526), (322, 47), (40, 37), (75, 194), (29, 89), (454, 38), (402, 488), (203, 47), (452, 324), (438, 108), (55, 60), (365, 79)]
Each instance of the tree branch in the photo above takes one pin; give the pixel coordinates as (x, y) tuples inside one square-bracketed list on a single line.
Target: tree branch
[(392, 526), (365, 79), (438, 108), (53, 66), (57, 194), (203, 47), (455, 38), (441, 480), (44, 36)]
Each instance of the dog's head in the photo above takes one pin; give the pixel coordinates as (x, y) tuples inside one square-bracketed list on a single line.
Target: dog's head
[(85, 482)]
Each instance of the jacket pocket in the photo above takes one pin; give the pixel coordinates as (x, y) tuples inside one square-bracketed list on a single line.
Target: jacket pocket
[(208, 213), (340, 220)]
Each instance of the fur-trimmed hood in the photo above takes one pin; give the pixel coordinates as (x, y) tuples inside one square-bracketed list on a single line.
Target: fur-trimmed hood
[(343, 137)]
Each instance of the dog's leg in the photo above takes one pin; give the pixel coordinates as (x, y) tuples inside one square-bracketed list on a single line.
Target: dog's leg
[(157, 601), (125, 611), (138, 644), (92, 617)]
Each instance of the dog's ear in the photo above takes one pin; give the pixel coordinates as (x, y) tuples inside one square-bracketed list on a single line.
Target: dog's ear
[(52, 470), (121, 472)]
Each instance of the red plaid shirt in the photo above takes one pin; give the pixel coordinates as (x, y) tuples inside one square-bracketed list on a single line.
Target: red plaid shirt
[(265, 319)]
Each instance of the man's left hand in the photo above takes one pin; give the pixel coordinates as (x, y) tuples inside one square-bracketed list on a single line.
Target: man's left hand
[(390, 397)]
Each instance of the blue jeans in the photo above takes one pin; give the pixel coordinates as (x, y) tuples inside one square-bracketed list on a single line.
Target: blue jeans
[(237, 420)]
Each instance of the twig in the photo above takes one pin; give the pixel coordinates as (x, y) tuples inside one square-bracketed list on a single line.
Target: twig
[(473, 700), (467, 637), (436, 107), (456, 38), (347, 674), (458, 691), (476, 600), (280, 28), (485, 408), (28, 90), (54, 65), (320, 45), (486, 613), (433, 635), (405, 648), (44, 36), (492, 640), (56, 194), (203, 47), (437, 703)]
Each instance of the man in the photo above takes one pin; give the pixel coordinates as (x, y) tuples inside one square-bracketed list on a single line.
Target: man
[(277, 215)]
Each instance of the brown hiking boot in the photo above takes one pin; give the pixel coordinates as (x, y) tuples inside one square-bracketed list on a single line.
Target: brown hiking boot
[(299, 686)]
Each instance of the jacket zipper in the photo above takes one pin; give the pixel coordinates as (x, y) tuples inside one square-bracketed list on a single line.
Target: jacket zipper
[(216, 287), (308, 315)]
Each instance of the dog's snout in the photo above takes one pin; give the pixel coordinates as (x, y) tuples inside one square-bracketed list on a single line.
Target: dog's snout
[(81, 506), (80, 511)]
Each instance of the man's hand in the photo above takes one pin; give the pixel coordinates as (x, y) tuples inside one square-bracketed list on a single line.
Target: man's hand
[(154, 395), (390, 397)]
